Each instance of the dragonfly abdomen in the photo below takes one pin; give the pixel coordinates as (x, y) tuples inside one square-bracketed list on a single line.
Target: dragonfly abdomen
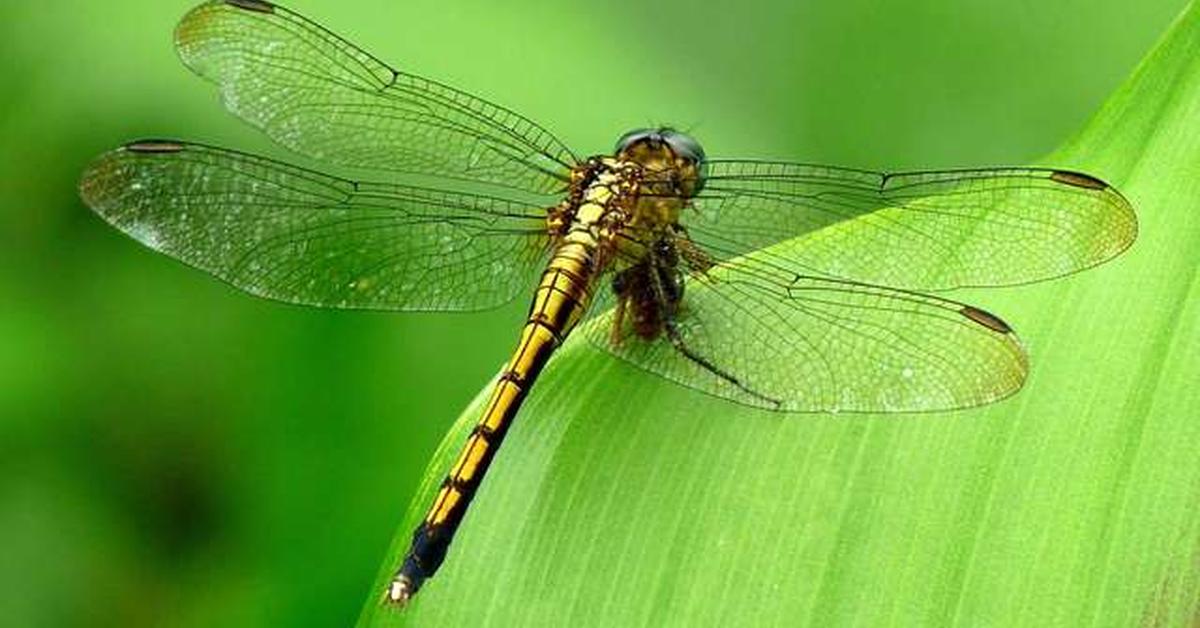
[(561, 298)]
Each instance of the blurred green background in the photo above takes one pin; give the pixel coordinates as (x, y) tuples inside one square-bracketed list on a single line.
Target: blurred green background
[(174, 452)]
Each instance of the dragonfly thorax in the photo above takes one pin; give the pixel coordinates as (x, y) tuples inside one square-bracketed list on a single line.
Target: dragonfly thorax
[(623, 203), (619, 207)]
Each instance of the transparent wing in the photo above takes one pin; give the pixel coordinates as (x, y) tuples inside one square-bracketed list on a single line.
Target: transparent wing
[(295, 235), (926, 231), (765, 334), (321, 96)]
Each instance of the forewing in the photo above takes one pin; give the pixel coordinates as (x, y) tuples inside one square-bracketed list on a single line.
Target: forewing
[(767, 335), (926, 231), (321, 96), (295, 235)]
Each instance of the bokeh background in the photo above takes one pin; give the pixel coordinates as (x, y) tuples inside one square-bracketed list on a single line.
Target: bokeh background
[(173, 452)]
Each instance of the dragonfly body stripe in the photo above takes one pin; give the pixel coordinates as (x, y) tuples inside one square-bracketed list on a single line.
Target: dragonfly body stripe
[(560, 300)]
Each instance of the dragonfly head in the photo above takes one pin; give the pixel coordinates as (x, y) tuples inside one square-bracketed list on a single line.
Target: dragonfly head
[(665, 150)]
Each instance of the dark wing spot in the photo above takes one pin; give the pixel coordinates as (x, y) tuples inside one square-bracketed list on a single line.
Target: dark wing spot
[(987, 319), (1078, 179), (154, 146), (262, 6)]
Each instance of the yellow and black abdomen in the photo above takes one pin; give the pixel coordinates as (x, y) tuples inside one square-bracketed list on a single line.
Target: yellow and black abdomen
[(560, 301)]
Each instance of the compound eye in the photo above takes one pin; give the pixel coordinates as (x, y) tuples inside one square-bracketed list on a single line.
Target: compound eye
[(688, 148), (685, 146), (634, 137)]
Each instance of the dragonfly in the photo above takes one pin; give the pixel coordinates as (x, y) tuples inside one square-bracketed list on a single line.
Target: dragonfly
[(783, 286)]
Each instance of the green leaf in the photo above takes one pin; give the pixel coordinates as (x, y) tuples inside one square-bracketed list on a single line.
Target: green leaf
[(620, 499)]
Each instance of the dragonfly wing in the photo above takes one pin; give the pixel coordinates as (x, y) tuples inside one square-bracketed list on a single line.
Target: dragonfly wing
[(928, 231), (764, 334), (299, 236), (321, 96)]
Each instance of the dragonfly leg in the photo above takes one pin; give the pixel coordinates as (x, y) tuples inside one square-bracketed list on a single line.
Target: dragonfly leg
[(697, 260), (682, 347), (614, 336), (667, 285)]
